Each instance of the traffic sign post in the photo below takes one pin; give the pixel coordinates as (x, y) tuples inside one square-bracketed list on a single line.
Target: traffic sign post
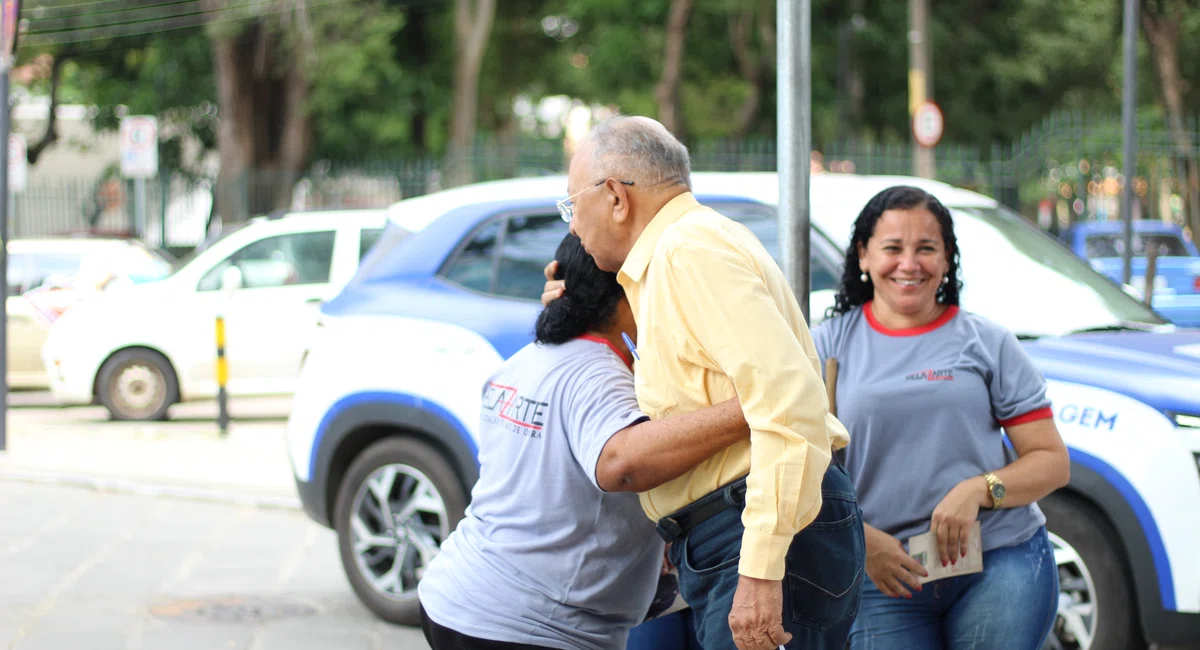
[(18, 163), (10, 14), (794, 137), (927, 124), (18, 171), (139, 161)]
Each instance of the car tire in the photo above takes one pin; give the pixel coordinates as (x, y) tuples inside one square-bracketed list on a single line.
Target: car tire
[(1092, 577), (137, 384), (418, 469)]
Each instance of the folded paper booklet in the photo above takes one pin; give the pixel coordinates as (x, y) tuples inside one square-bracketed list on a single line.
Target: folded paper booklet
[(924, 549)]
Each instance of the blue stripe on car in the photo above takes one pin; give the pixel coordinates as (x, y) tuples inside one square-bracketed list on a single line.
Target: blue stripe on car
[(384, 397), (1158, 552)]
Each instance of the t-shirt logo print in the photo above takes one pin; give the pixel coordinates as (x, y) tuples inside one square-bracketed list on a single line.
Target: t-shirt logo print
[(504, 406), (932, 375)]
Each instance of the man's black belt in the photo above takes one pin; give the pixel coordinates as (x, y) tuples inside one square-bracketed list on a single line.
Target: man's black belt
[(676, 526)]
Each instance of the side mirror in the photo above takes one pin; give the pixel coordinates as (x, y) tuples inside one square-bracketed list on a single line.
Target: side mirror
[(231, 279)]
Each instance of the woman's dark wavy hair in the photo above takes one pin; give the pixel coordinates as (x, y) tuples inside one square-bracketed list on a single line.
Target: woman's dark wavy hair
[(590, 301), (852, 291)]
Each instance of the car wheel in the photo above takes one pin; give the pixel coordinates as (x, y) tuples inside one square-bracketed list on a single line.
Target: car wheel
[(1096, 606), (137, 384), (399, 501)]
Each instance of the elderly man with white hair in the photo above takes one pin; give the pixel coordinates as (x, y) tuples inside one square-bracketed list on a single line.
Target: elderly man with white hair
[(767, 534)]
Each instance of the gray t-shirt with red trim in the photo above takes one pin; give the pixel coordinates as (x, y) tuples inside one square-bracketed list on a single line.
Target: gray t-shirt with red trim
[(925, 409), (543, 556)]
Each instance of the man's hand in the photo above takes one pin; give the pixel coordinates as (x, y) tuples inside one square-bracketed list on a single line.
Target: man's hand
[(554, 289), (955, 515), (757, 616), (890, 567)]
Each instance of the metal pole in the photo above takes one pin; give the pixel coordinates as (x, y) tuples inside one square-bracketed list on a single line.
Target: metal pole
[(794, 103), (919, 79), (1128, 119), (5, 62), (222, 378), (139, 207)]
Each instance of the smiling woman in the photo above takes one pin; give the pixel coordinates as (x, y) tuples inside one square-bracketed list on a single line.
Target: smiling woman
[(922, 383), (906, 258)]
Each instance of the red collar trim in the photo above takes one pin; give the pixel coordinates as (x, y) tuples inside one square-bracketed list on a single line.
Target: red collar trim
[(946, 317), (597, 339)]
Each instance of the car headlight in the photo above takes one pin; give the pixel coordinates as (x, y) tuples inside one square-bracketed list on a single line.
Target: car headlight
[(1186, 421)]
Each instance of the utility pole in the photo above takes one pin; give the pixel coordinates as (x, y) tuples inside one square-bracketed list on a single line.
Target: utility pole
[(920, 82), (794, 107), (1128, 124), (10, 14)]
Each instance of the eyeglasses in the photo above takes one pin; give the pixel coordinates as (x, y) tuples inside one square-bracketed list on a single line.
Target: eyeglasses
[(567, 209)]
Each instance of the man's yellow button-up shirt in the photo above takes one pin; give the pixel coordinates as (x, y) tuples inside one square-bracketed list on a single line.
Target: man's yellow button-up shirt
[(716, 319)]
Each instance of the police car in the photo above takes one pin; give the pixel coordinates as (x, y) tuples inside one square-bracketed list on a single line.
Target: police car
[(383, 433)]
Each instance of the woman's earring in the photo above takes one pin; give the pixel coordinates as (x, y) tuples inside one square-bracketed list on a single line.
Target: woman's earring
[(945, 279), (864, 277)]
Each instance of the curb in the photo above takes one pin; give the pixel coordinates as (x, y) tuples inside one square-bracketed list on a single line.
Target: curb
[(142, 488)]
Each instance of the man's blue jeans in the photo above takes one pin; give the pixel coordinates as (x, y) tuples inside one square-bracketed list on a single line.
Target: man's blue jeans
[(825, 571), (1011, 605), (671, 632)]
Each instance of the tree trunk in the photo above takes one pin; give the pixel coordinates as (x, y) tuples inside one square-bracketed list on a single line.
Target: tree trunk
[(50, 136), (750, 62), (416, 39), (265, 135), (297, 137), (670, 112), (1162, 32), (472, 27), (235, 129)]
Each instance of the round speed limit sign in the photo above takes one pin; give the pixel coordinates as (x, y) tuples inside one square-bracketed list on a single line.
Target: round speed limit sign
[(927, 124)]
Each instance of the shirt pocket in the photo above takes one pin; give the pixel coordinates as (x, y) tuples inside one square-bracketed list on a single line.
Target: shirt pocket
[(655, 384)]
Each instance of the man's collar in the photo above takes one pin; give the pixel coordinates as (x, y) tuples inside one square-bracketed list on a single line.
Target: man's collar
[(643, 249)]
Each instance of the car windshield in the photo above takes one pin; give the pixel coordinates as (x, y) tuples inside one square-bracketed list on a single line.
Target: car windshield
[(1020, 277), (379, 261), (1168, 245), (208, 243), (1016, 275)]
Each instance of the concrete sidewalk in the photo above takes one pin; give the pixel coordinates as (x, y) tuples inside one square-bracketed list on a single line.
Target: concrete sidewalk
[(184, 457)]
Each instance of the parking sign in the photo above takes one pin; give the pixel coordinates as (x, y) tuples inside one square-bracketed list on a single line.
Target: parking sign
[(927, 124), (139, 146)]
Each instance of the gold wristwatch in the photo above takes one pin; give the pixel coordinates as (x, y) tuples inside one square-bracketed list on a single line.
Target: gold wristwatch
[(996, 489)]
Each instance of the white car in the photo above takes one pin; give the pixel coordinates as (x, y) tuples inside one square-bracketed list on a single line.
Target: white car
[(47, 275), (383, 432), (139, 349)]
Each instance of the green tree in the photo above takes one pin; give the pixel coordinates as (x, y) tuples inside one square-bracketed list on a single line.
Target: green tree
[(93, 62), (362, 97), (1165, 23)]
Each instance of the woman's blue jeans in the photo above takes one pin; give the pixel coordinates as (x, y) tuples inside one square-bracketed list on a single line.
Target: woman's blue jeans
[(1011, 605)]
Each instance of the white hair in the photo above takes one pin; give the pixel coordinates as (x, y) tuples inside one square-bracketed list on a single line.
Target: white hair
[(639, 149)]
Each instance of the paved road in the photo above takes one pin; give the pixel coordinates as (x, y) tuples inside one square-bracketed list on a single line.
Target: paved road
[(80, 445), (86, 569)]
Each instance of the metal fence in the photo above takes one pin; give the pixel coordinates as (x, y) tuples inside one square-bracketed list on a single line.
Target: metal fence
[(1064, 169)]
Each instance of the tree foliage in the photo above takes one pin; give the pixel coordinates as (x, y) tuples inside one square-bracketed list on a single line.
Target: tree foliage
[(382, 82)]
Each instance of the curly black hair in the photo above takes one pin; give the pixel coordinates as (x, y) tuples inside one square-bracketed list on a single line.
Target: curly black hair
[(852, 291), (590, 302)]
